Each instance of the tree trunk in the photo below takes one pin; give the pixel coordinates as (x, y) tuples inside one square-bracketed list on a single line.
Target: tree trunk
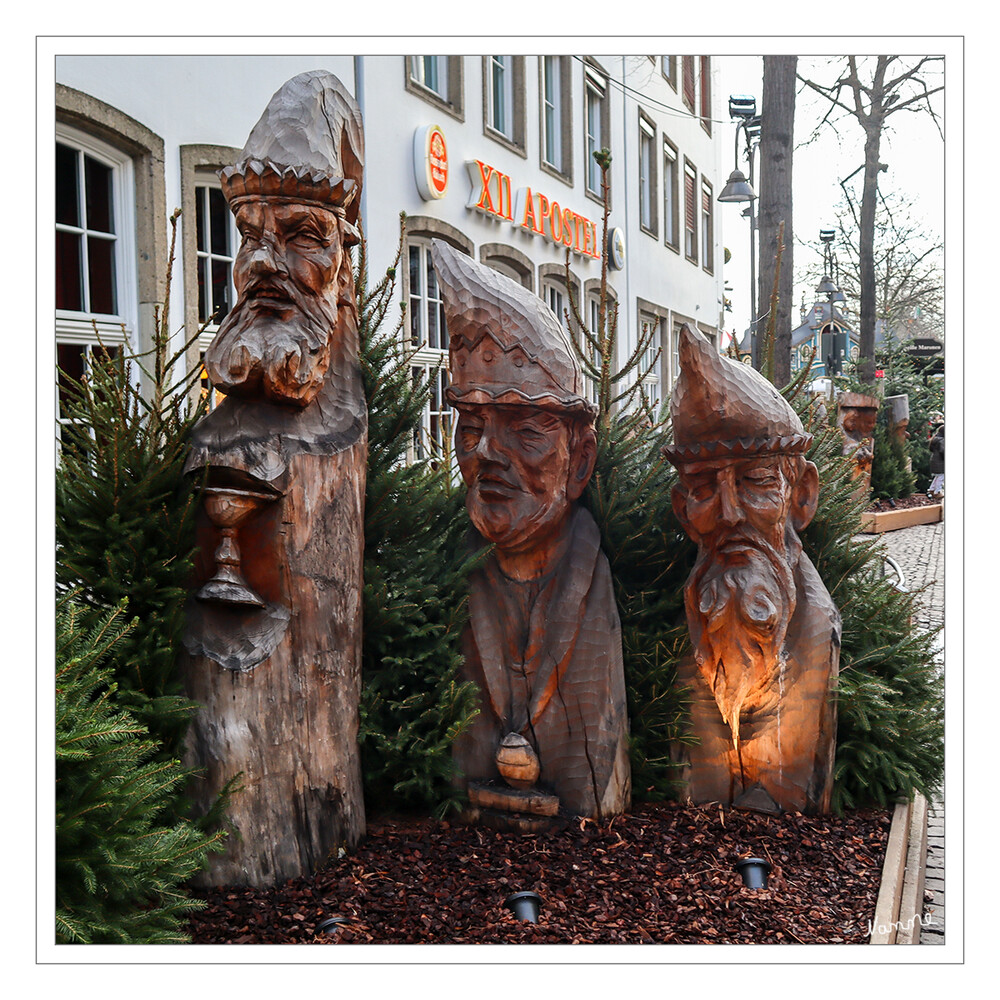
[(278, 685), (775, 205), (866, 252)]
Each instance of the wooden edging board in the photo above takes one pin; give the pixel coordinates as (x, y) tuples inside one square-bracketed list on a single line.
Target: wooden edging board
[(897, 918), (889, 520)]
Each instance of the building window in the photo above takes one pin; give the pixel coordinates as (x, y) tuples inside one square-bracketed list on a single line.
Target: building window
[(668, 67), (707, 237), (500, 96), (217, 241), (503, 100), (429, 342), (438, 80), (671, 215), (555, 115), (705, 81), (509, 262), (690, 212), (87, 230), (95, 256), (649, 326), (431, 72), (687, 81), (647, 175), (595, 127)]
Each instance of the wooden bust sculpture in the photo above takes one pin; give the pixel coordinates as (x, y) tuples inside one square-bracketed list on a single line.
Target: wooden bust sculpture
[(856, 416), (544, 641), (274, 628), (765, 632)]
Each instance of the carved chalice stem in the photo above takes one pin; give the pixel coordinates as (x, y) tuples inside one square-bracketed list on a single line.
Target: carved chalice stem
[(227, 509)]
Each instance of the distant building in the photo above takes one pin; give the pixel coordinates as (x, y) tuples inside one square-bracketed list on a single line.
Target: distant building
[(825, 336)]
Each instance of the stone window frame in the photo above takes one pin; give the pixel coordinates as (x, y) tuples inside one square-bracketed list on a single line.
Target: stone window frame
[(592, 295), (595, 78), (672, 234), (565, 172), (555, 274), (669, 75), (516, 142), (510, 259), (84, 114), (690, 170), (706, 194), (661, 315), (199, 163), (647, 131), (454, 104), (705, 92), (420, 230)]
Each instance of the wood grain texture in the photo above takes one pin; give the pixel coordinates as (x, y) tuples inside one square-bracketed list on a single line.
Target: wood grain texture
[(765, 632), (279, 684), (544, 640)]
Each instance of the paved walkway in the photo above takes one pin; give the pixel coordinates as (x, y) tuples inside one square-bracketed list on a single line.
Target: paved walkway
[(920, 553)]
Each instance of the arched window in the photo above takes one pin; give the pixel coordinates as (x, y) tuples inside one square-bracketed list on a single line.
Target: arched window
[(110, 238), (96, 309), (427, 332)]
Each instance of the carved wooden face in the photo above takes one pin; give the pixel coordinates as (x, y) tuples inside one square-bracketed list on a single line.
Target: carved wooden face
[(523, 468), (275, 343), (728, 501), (285, 243)]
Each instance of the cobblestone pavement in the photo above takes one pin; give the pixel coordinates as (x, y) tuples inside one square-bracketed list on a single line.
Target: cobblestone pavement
[(919, 551)]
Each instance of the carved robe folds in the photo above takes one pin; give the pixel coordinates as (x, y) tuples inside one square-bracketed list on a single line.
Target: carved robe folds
[(547, 656)]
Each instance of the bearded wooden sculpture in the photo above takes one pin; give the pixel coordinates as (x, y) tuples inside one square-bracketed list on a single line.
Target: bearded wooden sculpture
[(765, 632), (544, 641), (274, 629)]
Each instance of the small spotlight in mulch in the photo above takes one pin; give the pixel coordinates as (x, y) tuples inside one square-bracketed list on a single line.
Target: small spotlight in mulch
[(524, 905), (332, 926), (754, 872)]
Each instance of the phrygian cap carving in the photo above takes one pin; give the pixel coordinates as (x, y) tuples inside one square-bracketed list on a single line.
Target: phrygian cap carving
[(506, 345)]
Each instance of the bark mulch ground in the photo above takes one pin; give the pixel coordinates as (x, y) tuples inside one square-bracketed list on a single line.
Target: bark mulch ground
[(903, 503), (662, 874)]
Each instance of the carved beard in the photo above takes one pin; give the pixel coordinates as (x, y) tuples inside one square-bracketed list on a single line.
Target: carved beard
[(280, 353), (739, 600)]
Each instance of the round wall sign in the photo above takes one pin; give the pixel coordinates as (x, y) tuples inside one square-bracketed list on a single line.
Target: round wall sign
[(616, 248), (430, 162)]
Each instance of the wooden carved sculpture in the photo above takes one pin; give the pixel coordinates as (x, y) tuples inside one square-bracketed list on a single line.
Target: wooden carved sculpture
[(544, 641), (856, 414), (274, 628), (765, 632)]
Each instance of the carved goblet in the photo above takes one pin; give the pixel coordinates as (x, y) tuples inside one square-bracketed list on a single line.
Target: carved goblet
[(227, 509)]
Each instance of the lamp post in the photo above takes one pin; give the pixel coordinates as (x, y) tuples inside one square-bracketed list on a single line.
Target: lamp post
[(740, 189), (833, 294)]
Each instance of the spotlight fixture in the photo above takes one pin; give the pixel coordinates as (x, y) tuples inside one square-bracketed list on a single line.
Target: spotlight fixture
[(752, 128), (827, 235), (524, 905), (754, 872)]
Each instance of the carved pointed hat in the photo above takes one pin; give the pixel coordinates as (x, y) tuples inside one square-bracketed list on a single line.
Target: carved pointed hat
[(722, 409), (506, 345), (308, 147)]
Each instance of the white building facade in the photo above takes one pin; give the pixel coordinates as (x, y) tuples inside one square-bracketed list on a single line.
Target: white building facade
[(490, 153)]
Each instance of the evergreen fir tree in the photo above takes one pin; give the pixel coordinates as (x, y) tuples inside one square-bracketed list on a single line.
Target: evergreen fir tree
[(413, 702), (890, 477), (649, 555), (890, 708), (125, 516), (121, 861)]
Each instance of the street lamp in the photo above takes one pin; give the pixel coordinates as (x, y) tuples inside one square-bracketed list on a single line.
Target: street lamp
[(833, 294), (739, 188)]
